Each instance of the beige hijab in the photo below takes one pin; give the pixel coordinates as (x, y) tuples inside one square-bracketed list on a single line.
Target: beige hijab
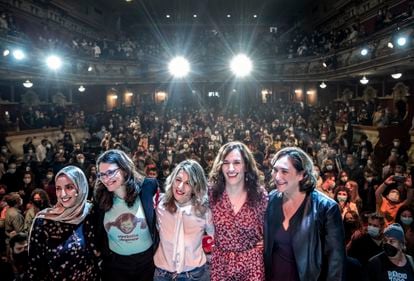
[(77, 213)]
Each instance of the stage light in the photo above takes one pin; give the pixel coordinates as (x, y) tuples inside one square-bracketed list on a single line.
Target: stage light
[(90, 68), (194, 16), (325, 64), (322, 85), (255, 16), (81, 89), (54, 62), (364, 80), (168, 16), (364, 52), (390, 45), (401, 41), (396, 75), (27, 84), (6, 53), (241, 65), (179, 67), (18, 54), (228, 16)]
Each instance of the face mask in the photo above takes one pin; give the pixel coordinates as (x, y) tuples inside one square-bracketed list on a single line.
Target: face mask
[(12, 171), (27, 181), (49, 176), (48, 145), (329, 167), (396, 143), (369, 179), (38, 204), (185, 146), (373, 231), (4, 150), (390, 250), (406, 220), (151, 149), (344, 179), (81, 161), (369, 162), (342, 198), (21, 259)]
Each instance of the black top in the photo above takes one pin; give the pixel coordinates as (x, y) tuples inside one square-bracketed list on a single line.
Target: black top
[(380, 268)]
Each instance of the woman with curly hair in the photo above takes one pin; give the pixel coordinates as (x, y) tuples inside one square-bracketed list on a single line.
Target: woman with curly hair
[(183, 216), (238, 204)]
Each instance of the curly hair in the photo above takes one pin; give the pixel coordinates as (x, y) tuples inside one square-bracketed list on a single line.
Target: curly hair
[(133, 180), (198, 183), (251, 180)]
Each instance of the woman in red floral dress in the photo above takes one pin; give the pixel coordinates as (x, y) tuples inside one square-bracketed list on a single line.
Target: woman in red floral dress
[(238, 204)]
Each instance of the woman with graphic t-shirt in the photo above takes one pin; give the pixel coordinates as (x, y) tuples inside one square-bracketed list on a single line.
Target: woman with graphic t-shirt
[(126, 229)]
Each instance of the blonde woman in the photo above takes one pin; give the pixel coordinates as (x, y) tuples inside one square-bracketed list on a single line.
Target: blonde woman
[(183, 217)]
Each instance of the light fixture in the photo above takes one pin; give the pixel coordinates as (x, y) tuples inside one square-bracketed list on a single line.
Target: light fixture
[(179, 67), (241, 65), (322, 85), (324, 64), (401, 41), (396, 75), (27, 84), (54, 62), (364, 80), (390, 45), (129, 94), (364, 52), (228, 16), (255, 16), (81, 89), (18, 54), (6, 52), (90, 68), (195, 16), (168, 16)]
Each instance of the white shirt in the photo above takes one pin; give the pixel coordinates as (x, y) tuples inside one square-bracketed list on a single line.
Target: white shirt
[(181, 233)]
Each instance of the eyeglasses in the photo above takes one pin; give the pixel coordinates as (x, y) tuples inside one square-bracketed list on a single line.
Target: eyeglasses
[(108, 174)]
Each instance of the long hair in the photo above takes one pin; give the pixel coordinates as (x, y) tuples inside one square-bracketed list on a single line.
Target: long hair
[(251, 180), (133, 180), (302, 162), (198, 183)]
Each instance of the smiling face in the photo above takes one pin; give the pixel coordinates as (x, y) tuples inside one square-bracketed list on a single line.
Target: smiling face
[(234, 168), (182, 190), (286, 177), (111, 176), (66, 191)]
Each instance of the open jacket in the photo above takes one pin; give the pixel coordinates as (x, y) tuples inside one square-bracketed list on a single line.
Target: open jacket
[(147, 191), (318, 241)]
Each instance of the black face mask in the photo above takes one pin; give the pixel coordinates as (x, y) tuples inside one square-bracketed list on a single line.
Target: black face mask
[(21, 259), (38, 204), (390, 250)]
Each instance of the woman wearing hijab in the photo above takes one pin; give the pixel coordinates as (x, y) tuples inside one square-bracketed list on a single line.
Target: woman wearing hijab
[(61, 238)]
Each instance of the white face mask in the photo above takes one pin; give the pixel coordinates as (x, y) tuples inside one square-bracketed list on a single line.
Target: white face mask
[(373, 231), (406, 220), (394, 196), (342, 198), (27, 181)]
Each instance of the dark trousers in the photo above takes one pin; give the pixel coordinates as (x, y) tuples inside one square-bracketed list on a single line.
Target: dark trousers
[(137, 267)]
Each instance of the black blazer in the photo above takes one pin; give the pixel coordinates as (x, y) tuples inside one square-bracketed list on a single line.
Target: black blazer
[(318, 240)]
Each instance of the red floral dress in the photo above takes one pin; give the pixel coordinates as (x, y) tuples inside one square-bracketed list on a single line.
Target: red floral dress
[(235, 255)]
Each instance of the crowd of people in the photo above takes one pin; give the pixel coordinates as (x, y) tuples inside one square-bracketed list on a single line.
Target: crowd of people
[(205, 41), (159, 149)]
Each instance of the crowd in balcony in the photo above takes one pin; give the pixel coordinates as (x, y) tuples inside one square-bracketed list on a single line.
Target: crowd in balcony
[(297, 42)]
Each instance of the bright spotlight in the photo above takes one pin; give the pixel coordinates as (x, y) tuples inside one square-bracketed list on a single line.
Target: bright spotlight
[(322, 85), (27, 84), (54, 62), (241, 65), (390, 45), (364, 52), (364, 80), (81, 89), (6, 53), (90, 68), (18, 54), (179, 67), (396, 75), (401, 41)]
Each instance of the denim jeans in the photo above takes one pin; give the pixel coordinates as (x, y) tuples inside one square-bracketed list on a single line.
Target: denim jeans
[(201, 273)]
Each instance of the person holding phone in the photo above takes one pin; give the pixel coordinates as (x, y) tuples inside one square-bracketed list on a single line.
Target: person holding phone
[(388, 196)]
